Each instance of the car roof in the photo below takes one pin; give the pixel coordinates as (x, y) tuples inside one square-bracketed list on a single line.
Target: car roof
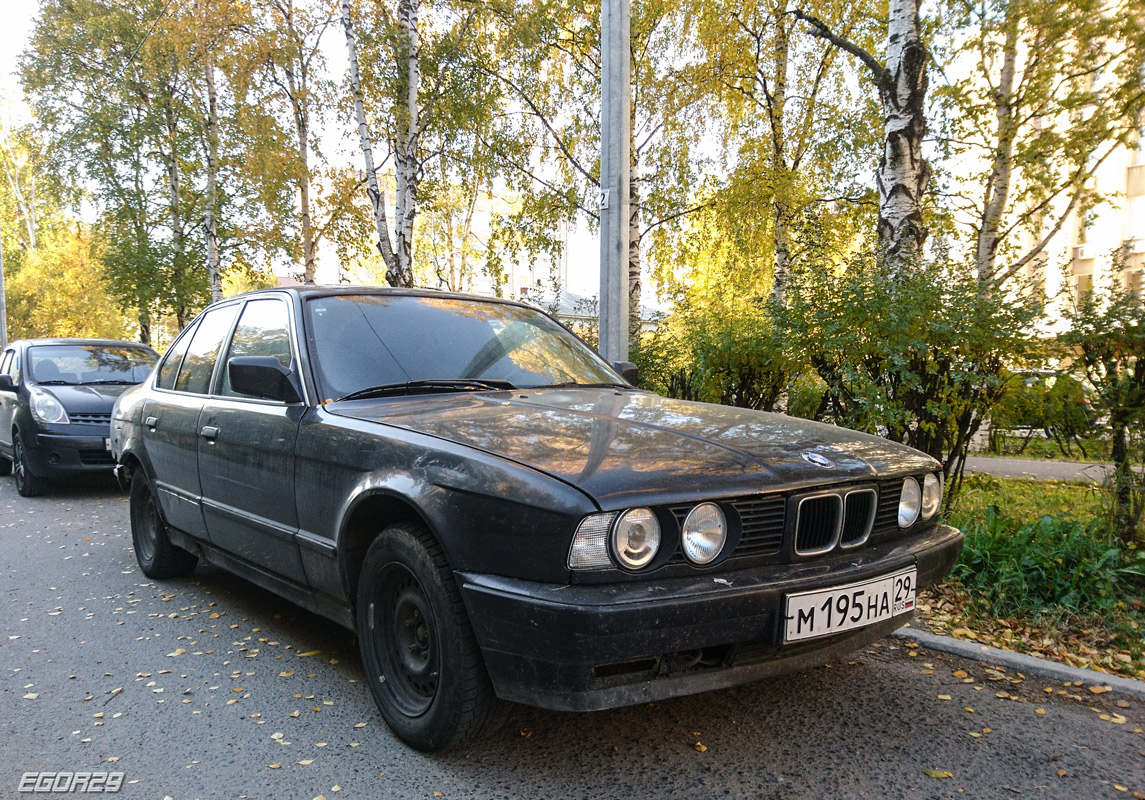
[(78, 341), (307, 291)]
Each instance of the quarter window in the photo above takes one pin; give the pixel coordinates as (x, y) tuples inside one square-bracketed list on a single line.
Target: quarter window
[(199, 363), (169, 367), (263, 330)]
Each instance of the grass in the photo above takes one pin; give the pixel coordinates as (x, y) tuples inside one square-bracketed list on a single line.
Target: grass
[(1040, 572)]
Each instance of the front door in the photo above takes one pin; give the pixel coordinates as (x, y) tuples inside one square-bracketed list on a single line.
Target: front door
[(246, 453)]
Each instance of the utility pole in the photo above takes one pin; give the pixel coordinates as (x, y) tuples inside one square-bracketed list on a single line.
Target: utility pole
[(615, 104), (3, 302)]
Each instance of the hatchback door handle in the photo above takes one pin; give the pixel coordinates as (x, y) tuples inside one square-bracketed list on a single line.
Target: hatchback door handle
[(210, 432)]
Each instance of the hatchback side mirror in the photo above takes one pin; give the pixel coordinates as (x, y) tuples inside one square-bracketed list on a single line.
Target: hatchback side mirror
[(627, 370), (6, 384), (265, 377)]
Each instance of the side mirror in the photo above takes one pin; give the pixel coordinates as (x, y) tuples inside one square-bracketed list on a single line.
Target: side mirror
[(6, 384), (627, 370), (263, 376)]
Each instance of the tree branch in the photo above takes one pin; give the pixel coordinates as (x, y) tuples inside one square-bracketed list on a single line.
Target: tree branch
[(821, 29)]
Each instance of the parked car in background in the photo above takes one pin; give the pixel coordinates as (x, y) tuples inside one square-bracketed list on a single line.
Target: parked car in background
[(55, 405), (499, 515)]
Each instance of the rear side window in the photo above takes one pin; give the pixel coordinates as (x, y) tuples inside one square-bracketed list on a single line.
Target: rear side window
[(169, 366), (199, 363), (263, 330)]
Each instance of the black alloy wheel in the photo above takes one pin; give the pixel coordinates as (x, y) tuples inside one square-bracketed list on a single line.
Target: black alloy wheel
[(422, 661), (27, 484)]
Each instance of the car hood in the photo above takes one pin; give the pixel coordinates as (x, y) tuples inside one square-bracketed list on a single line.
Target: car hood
[(89, 399), (620, 446)]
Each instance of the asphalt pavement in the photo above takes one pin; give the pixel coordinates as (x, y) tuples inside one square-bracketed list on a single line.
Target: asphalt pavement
[(1073, 471), (208, 687)]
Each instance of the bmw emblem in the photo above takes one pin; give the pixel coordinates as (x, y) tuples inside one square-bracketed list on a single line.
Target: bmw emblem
[(817, 459)]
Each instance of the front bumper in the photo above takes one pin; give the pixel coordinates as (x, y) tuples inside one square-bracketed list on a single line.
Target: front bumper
[(58, 455), (589, 647)]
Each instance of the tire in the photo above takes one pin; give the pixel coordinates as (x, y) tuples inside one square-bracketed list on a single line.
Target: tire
[(27, 484), (418, 650), (157, 556)]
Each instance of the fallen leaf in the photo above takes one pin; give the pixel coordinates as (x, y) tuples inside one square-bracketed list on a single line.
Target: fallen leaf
[(1039, 711), (701, 747), (1100, 690), (937, 773), (945, 697), (275, 766), (1061, 773), (960, 673), (360, 725), (306, 762), (31, 695), (310, 653)]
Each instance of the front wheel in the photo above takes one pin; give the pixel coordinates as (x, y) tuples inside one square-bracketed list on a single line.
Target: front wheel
[(418, 650), (157, 556), (27, 484)]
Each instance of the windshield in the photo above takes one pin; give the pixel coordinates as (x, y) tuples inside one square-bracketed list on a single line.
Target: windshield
[(74, 364), (364, 341)]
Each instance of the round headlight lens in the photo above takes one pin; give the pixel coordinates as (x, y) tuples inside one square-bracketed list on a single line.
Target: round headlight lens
[(931, 495), (46, 408), (705, 531), (636, 538), (910, 502)]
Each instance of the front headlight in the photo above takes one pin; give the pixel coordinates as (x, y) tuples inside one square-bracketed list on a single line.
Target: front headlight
[(46, 408), (931, 495), (636, 538), (910, 502), (705, 531)]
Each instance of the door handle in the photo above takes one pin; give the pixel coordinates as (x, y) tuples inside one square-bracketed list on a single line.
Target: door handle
[(209, 432), (151, 422)]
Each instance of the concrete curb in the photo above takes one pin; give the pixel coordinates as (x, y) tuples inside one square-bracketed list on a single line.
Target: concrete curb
[(1019, 661)]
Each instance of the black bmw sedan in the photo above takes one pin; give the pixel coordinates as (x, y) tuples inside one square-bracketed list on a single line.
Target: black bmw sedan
[(55, 405), (499, 515)]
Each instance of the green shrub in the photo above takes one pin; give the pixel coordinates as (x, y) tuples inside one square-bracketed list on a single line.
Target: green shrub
[(1057, 562)]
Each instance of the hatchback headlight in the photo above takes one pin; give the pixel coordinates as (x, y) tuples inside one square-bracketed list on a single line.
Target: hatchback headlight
[(46, 408), (636, 538), (931, 495), (910, 502), (704, 534)]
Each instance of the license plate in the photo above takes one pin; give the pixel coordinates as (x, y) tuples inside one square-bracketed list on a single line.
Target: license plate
[(843, 608), (106, 443)]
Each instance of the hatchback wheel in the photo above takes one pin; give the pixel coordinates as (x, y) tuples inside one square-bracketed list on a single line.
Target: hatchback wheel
[(27, 484)]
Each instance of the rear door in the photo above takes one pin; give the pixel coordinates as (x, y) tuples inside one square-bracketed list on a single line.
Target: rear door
[(171, 418), (246, 452)]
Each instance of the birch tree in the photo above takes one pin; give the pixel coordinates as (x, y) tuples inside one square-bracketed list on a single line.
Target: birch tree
[(1053, 89), (903, 172)]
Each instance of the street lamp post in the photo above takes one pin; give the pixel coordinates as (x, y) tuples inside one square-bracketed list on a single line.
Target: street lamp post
[(616, 99)]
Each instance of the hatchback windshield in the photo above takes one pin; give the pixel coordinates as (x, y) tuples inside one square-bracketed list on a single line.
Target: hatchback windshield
[(365, 341), (79, 364)]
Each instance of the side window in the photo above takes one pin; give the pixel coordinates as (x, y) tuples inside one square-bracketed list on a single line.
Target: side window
[(6, 363), (169, 366), (195, 374), (263, 330)]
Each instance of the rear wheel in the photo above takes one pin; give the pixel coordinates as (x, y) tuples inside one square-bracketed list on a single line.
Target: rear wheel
[(418, 650), (27, 484), (157, 556)]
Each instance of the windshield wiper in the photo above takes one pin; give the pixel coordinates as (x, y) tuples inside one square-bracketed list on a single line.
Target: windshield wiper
[(428, 387), (575, 385), (108, 383), (56, 383)]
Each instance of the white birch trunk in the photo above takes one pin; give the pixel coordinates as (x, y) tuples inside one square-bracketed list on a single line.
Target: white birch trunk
[(903, 173), (211, 218), (377, 199), (406, 149), (997, 193)]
